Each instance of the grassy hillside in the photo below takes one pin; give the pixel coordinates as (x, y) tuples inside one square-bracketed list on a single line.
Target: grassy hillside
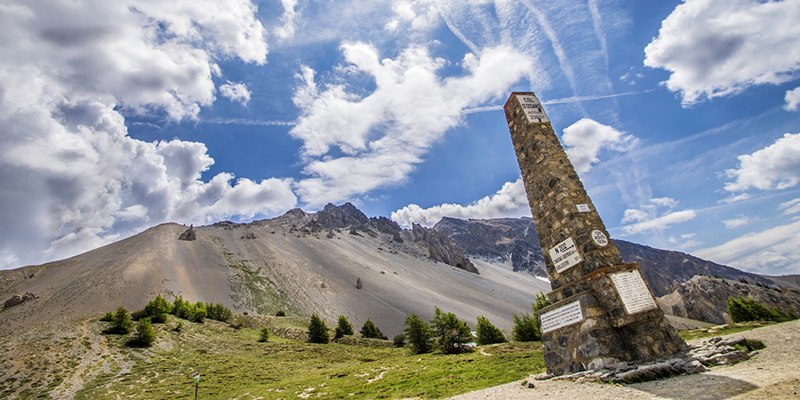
[(73, 359)]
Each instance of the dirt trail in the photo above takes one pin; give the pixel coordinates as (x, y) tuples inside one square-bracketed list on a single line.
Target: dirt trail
[(773, 373)]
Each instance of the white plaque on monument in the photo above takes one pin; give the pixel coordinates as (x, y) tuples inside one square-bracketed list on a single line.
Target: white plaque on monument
[(532, 108), (565, 255), (583, 208), (600, 238), (561, 317), (633, 291)]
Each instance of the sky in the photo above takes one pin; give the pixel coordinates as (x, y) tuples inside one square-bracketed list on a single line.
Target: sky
[(681, 118)]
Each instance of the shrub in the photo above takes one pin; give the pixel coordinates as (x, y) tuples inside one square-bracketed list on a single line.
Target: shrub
[(451, 332), (317, 331), (178, 327), (488, 333), (236, 323), (157, 309), (145, 336), (399, 340), (219, 312), (419, 334), (109, 317), (343, 327), (746, 309), (121, 324), (264, 334), (280, 314), (525, 329), (541, 302), (369, 330)]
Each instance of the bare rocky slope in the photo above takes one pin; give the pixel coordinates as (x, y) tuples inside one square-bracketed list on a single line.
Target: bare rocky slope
[(300, 263)]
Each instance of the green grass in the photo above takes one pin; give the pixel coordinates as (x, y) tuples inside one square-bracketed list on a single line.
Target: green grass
[(721, 330), (232, 364)]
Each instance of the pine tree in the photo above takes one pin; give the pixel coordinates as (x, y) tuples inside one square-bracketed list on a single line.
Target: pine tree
[(343, 327), (452, 333), (122, 323), (418, 333), (488, 333), (525, 329), (145, 335), (541, 302), (317, 331), (369, 330)]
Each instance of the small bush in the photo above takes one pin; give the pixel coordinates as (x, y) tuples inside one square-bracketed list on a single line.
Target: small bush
[(317, 331), (178, 327), (236, 323), (219, 312), (264, 334), (145, 335), (525, 329), (488, 333), (746, 309), (399, 340), (280, 313), (108, 317), (343, 327), (369, 330)]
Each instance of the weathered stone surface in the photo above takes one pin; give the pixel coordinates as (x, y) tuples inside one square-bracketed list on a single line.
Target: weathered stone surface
[(18, 299), (188, 234), (442, 248)]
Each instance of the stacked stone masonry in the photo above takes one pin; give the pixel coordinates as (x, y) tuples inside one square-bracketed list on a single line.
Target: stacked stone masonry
[(618, 319)]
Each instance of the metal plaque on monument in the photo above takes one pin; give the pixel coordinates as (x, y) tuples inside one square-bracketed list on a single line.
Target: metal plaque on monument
[(603, 311)]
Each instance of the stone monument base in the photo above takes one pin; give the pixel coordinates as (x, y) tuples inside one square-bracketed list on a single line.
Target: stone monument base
[(607, 317)]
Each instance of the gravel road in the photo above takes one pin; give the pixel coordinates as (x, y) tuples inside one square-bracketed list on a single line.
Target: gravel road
[(773, 373)]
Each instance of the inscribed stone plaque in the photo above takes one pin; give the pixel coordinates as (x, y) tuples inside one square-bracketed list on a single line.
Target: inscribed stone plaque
[(583, 207), (532, 108), (633, 291), (561, 317), (600, 238), (564, 255)]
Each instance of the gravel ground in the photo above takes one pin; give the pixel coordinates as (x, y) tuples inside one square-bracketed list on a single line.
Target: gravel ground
[(773, 373)]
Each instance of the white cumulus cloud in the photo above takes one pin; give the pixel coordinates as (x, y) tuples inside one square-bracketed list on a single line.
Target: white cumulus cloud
[(235, 92), (586, 138), (792, 99), (353, 144), (715, 48), (656, 215), (73, 179), (509, 201), (740, 220), (772, 168)]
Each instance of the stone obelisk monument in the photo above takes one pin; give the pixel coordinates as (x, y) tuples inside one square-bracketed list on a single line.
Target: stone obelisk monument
[(603, 311)]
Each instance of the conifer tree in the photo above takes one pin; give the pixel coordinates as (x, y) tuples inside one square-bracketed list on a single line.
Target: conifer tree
[(343, 327), (418, 333), (369, 330), (145, 335), (488, 333), (317, 331), (122, 323), (451, 332)]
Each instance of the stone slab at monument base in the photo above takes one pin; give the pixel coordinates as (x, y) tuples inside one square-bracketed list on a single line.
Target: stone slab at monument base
[(606, 317)]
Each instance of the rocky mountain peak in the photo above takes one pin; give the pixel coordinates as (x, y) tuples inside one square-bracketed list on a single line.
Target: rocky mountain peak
[(336, 217)]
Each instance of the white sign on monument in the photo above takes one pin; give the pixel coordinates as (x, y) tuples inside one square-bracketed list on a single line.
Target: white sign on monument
[(561, 317), (532, 108), (633, 291), (565, 255)]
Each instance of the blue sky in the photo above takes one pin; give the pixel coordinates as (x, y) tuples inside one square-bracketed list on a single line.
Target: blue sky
[(681, 117)]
